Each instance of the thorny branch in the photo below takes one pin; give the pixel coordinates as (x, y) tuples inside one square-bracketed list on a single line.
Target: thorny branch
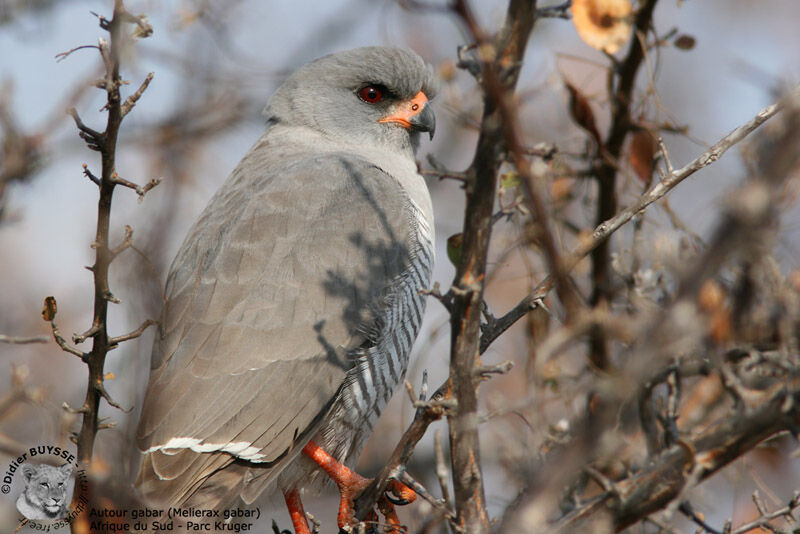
[(497, 67), (105, 143)]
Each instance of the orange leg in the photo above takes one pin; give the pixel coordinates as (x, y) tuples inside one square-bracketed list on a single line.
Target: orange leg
[(351, 484), (298, 515)]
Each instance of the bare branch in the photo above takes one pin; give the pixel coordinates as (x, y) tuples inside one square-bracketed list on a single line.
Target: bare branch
[(130, 102), (767, 517), (140, 190), (89, 175), (132, 335), (102, 390), (94, 139), (64, 55), (558, 11), (497, 68), (63, 344), (126, 242), (91, 332), (656, 485), (610, 150), (442, 472), (14, 340)]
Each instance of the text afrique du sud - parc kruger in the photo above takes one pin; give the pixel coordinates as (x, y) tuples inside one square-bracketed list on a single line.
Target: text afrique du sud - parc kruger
[(199, 520)]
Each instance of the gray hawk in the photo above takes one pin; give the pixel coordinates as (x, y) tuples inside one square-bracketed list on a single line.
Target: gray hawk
[(293, 302)]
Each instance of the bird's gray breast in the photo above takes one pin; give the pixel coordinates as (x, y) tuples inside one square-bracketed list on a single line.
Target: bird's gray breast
[(380, 367)]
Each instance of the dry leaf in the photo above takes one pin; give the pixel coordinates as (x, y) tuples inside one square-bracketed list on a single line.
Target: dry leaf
[(712, 296), (561, 189), (447, 70), (720, 326), (50, 309), (603, 24), (581, 112), (684, 42), (712, 301), (642, 153)]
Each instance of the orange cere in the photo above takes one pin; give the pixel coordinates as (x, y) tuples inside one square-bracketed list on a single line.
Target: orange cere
[(407, 110)]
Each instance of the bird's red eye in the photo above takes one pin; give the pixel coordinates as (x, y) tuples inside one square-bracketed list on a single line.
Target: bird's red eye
[(370, 94)]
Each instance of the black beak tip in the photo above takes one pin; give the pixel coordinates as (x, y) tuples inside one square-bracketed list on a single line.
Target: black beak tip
[(424, 121)]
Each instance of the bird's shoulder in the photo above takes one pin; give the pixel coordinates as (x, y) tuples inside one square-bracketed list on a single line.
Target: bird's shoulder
[(279, 251)]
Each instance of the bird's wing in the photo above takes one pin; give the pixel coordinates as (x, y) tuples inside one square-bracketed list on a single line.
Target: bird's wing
[(279, 281)]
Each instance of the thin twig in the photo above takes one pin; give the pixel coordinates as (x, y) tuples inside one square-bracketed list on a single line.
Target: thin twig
[(442, 472), (126, 243), (104, 393), (141, 190), (130, 102), (63, 55), (439, 505), (132, 335), (558, 11), (609, 151), (15, 340), (59, 339)]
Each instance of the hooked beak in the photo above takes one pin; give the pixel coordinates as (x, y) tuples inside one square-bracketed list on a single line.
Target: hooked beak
[(416, 115)]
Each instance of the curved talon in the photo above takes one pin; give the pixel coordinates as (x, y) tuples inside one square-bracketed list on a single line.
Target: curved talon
[(404, 494), (397, 502)]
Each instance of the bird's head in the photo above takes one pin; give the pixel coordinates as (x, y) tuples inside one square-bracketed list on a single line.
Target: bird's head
[(373, 96)]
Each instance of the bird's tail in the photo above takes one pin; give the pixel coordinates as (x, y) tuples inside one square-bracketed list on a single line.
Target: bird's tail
[(190, 480)]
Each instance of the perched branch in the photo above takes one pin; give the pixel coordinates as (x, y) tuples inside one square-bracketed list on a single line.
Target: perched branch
[(424, 416)]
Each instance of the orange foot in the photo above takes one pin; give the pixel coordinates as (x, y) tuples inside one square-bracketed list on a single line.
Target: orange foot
[(350, 484), (296, 512)]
